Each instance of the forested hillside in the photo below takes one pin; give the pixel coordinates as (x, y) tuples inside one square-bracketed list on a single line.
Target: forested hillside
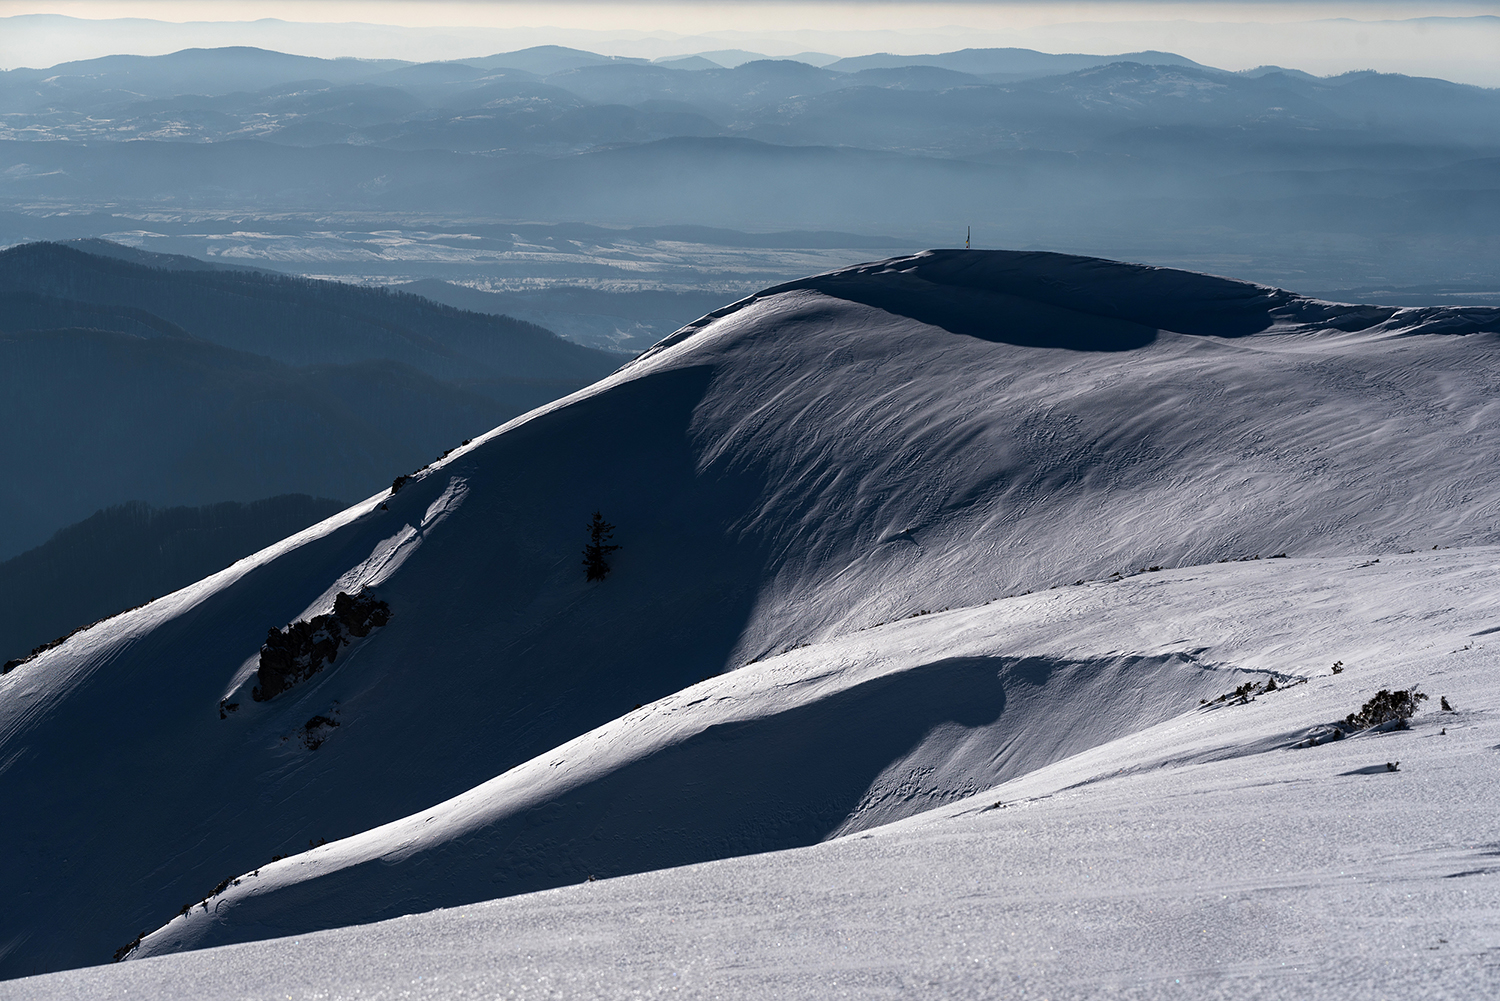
[(123, 382), (128, 554), (295, 320)]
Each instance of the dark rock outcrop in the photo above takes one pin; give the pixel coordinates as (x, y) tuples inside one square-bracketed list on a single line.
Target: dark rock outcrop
[(302, 649)]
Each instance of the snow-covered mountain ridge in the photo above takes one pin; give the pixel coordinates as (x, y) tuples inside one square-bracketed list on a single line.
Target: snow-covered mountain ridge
[(921, 434)]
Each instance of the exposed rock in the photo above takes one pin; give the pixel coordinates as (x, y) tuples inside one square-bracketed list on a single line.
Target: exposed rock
[(304, 648), (316, 730)]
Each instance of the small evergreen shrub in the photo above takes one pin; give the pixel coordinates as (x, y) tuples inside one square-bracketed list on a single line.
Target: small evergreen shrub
[(600, 532), (128, 947), (1246, 693), (11, 665), (1387, 708)]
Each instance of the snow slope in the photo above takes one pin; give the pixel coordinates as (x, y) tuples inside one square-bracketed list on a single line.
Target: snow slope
[(839, 452), (1205, 856), (839, 737)]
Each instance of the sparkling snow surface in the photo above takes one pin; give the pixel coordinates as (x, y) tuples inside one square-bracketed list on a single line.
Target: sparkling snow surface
[(793, 477), (1205, 856)]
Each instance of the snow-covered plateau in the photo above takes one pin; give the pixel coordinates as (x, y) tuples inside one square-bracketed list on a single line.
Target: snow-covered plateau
[(933, 663)]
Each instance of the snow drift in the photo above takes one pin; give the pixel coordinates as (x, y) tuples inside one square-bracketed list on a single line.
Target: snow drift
[(922, 433)]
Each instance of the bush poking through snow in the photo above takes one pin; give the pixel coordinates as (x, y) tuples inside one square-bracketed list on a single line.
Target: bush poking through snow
[(220, 888), (1387, 709), (1338, 667), (600, 532), (223, 885), (302, 649), (128, 947), (11, 665), (1247, 692), (1443, 703)]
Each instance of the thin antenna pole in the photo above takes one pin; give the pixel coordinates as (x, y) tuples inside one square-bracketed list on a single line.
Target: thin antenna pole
[(968, 232)]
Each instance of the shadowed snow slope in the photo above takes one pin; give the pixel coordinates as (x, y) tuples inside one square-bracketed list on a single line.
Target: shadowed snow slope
[(829, 739), (832, 454), (1208, 856)]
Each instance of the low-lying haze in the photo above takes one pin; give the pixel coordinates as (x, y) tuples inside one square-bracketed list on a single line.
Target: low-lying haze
[(1454, 40)]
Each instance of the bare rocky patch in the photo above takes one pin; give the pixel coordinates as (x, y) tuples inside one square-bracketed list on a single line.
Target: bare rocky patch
[(294, 654)]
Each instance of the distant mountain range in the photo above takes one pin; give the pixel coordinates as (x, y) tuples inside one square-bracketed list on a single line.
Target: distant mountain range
[(229, 70), (296, 320), (1367, 177), (554, 100), (123, 381), (1007, 64)]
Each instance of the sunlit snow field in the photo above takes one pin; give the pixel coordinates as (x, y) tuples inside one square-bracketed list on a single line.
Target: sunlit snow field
[(1206, 856)]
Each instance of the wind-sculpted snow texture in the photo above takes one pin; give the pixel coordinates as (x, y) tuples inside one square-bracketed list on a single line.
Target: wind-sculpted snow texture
[(1206, 856), (923, 433), (831, 742)]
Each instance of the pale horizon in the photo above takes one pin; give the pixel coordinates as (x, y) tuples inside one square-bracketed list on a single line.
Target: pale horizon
[(1324, 38), (693, 16)]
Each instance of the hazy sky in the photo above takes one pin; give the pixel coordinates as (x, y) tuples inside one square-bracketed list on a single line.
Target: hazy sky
[(707, 15), (1232, 34)]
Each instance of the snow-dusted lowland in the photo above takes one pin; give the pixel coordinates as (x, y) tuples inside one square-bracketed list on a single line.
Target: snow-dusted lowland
[(916, 675)]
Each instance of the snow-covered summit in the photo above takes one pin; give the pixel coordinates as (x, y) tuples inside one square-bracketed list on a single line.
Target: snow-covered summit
[(919, 434), (1044, 299)]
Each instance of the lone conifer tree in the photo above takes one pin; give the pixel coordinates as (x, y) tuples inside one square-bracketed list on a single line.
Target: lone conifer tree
[(600, 532)]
